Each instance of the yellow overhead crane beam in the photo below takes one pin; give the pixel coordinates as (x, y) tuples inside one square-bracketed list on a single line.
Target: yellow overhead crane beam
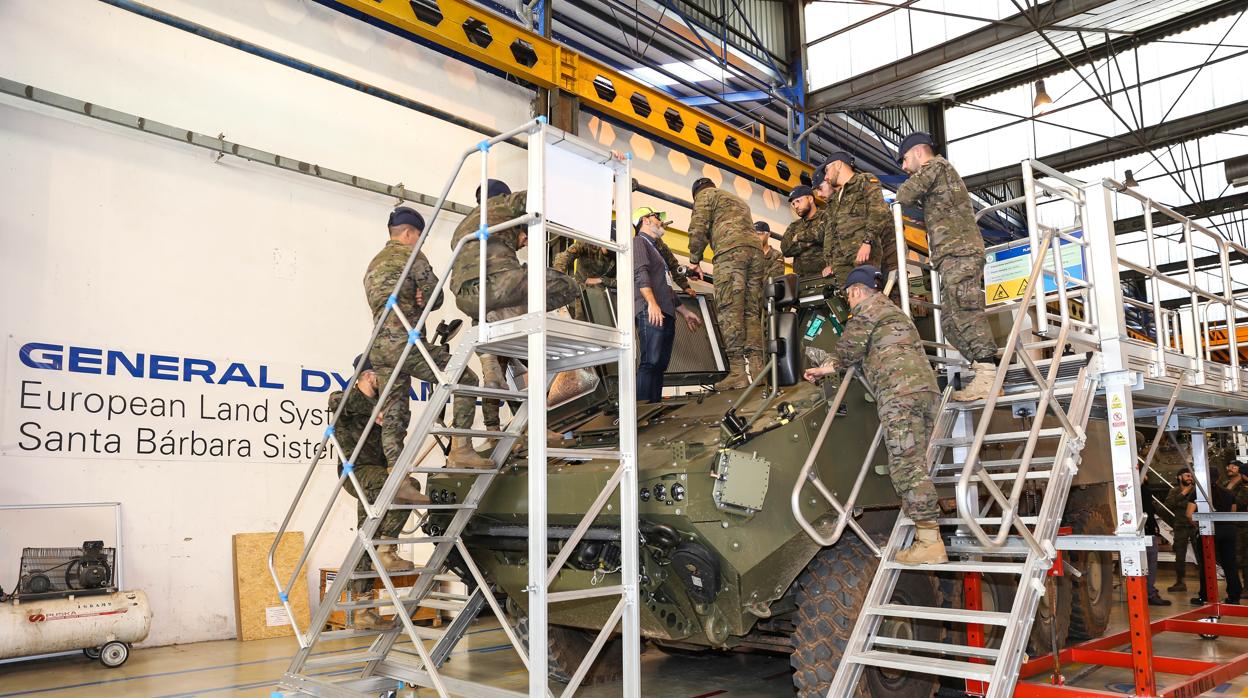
[(482, 36)]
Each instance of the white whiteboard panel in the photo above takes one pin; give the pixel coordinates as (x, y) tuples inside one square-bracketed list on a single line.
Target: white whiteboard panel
[(578, 192)]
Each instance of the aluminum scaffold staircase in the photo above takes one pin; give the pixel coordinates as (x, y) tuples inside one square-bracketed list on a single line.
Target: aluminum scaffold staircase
[(1050, 372), (574, 188)]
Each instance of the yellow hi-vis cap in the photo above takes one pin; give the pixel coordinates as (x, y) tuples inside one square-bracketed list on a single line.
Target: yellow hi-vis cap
[(643, 211)]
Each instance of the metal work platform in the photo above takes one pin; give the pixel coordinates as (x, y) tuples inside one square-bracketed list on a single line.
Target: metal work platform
[(549, 344), (1070, 354)]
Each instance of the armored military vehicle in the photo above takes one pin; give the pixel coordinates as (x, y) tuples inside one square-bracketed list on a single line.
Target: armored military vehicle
[(724, 563)]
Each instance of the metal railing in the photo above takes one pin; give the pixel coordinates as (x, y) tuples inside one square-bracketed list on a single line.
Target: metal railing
[(845, 512), (415, 338), (1194, 338)]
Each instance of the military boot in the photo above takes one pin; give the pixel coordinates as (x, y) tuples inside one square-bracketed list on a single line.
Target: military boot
[(369, 619), (391, 560), (927, 548), (755, 363), (736, 377), (981, 385), (409, 493), (462, 455)]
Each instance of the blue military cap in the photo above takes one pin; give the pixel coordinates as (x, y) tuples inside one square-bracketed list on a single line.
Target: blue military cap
[(405, 215), (839, 156), (866, 274), (916, 138), (493, 188), (368, 365), (799, 191), (762, 227)]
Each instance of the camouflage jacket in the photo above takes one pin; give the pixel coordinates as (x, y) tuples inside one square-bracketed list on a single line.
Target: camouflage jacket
[(1239, 491), (881, 339), (947, 211), (350, 425), (500, 249), (382, 275), (721, 220), (679, 276), (773, 262), (860, 215), (585, 261), (1176, 502), (803, 241)]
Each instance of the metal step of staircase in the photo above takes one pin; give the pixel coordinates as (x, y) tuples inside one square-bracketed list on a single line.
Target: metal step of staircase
[(936, 647), (926, 665)]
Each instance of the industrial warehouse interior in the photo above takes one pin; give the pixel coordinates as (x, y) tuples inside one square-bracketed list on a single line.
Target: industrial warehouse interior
[(680, 348)]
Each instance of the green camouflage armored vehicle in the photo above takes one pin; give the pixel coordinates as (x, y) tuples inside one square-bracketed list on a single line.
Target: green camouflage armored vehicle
[(724, 564)]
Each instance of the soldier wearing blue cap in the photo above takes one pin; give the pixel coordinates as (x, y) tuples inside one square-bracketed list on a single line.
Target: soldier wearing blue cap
[(884, 343), (803, 239), (722, 221), (372, 467), (956, 249), (773, 260), (419, 284)]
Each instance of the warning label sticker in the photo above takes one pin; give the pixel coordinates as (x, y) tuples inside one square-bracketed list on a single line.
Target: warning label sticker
[(1006, 270), (1120, 438)]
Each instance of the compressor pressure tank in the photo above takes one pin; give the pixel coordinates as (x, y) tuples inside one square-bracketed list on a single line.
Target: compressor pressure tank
[(102, 625)]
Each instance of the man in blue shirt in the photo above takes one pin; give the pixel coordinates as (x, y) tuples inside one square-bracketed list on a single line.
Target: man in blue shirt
[(656, 303)]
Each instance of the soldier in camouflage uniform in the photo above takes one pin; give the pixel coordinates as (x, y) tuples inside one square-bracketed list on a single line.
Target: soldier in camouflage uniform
[(371, 467), (419, 284), (860, 228), (1185, 531), (957, 251), (723, 220), (1236, 483), (803, 239), (506, 283), (885, 344), (773, 261), (590, 265)]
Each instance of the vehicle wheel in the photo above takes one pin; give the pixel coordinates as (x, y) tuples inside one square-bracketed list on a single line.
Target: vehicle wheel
[(92, 652), (1000, 597), (114, 654), (830, 593), (1093, 592), (568, 646)]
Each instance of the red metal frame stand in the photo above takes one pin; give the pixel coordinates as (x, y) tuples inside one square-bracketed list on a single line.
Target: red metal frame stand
[(973, 600), (1201, 675)]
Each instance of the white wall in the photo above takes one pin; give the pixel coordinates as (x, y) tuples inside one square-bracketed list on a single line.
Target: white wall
[(114, 239)]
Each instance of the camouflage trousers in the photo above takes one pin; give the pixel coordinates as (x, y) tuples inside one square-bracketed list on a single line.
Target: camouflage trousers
[(739, 299), (1185, 537), (509, 291), (962, 307), (372, 478), (908, 422), (396, 414), (808, 264), (494, 373)]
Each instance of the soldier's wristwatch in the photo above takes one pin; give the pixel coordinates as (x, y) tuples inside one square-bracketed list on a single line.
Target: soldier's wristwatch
[(867, 243)]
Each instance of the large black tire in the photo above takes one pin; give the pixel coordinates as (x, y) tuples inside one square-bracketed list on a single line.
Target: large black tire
[(999, 596), (830, 592), (1093, 592), (568, 646)]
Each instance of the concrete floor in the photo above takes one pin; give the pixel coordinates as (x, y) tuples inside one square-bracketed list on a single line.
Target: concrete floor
[(231, 668)]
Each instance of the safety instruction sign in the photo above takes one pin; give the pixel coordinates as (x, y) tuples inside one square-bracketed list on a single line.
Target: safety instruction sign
[(1006, 271)]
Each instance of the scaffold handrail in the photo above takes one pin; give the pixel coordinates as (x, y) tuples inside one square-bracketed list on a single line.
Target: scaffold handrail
[(415, 337)]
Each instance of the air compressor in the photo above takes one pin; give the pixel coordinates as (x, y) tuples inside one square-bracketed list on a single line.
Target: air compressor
[(103, 626)]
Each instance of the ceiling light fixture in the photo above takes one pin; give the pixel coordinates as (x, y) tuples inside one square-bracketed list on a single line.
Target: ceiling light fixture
[(1042, 100)]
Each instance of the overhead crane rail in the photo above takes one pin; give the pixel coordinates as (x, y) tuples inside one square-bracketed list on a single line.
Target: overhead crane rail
[(470, 31)]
